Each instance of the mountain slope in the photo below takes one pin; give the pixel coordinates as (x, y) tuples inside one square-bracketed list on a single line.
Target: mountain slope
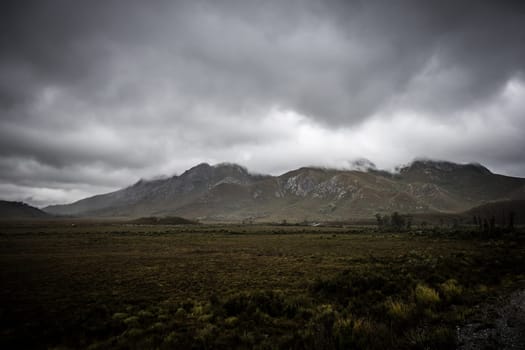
[(230, 192), (19, 210), (470, 184), (157, 194)]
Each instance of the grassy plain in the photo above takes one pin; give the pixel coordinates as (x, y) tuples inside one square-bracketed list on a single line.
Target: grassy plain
[(105, 285)]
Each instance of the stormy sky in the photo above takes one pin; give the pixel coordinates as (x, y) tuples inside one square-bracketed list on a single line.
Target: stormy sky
[(97, 94)]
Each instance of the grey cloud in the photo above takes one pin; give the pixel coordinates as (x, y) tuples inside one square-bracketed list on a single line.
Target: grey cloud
[(300, 56), (28, 172), (153, 86)]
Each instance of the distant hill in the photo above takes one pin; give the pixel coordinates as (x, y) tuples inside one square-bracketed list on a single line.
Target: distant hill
[(230, 192), (19, 210)]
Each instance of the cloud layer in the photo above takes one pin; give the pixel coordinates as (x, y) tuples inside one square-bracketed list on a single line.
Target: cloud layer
[(95, 95)]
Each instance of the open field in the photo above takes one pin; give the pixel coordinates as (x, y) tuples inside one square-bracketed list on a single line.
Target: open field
[(103, 285)]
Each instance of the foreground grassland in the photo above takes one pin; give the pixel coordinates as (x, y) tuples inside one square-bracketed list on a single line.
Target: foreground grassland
[(205, 287)]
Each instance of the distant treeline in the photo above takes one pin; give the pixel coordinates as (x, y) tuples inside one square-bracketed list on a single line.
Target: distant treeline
[(394, 221), (488, 220), (502, 214), (167, 220)]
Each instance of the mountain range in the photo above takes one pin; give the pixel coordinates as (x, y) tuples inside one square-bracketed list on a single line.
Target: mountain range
[(229, 192)]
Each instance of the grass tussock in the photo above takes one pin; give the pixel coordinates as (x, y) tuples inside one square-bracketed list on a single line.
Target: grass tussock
[(426, 295)]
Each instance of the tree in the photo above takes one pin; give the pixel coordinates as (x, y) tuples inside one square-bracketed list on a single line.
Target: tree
[(386, 220), (492, 224), (480, 223), (409, 221), (379, 220), (397, 221), (512, 215)]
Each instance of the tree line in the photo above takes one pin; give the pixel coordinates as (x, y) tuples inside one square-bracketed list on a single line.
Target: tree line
[(395, 221), (485, 224)]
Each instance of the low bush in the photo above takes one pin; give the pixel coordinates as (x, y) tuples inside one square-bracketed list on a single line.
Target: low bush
[(426, 295)]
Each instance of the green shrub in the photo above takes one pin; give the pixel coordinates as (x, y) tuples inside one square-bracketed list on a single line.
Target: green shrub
[(451, 290), (171, 338), (134, 332), (180, 313), (321, 327), (398, 310), (426, 295), (131, 321), (157, 326), (144, 314), (231, 321), (120, 315), (431, 338)]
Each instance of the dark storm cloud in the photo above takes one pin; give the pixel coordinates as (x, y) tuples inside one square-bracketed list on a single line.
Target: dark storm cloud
[(104, 92), (335, 61)]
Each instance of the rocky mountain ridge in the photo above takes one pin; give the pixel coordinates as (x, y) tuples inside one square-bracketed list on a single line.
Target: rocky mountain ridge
[(231, 192)]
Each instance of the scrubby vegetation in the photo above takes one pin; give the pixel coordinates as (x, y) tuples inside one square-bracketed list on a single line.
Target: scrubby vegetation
[(223, 287), (164, 220), (484, 225)]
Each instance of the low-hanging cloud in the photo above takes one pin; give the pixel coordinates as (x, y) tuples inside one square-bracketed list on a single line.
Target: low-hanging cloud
[(94, 95)]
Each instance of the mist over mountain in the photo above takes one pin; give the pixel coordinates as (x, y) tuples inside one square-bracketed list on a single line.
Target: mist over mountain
[(230, 192)]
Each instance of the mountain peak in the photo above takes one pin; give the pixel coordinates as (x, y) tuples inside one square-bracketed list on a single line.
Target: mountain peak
[(429, 166), (200, 166), (481, 168), (205, 168), (363, 165), (200, 169), (232, 167)]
